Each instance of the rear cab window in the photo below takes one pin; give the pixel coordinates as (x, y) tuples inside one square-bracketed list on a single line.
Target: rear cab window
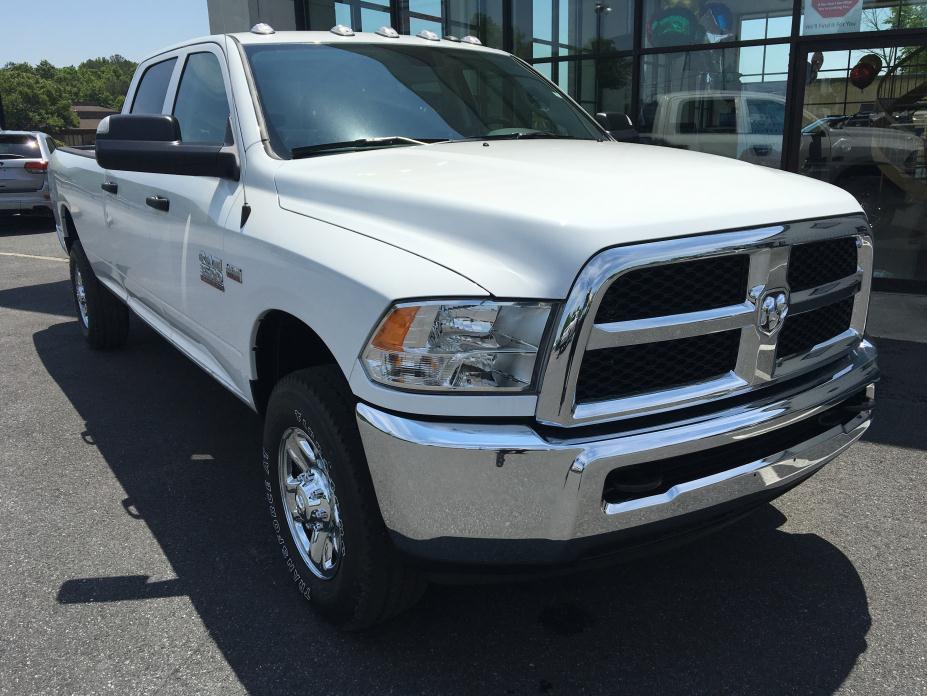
[(19, 147), (152, 88), (717, 116)]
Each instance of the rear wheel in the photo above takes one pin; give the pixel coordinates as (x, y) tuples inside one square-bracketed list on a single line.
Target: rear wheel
[(103, 319), (324, 512)]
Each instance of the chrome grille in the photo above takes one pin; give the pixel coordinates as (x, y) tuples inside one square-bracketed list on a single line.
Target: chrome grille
[(654, 292), (818, 263), (619, 353), (610, 373), (803, 332)]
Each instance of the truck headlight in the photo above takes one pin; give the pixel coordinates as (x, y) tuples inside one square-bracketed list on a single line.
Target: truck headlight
[(468, 345)]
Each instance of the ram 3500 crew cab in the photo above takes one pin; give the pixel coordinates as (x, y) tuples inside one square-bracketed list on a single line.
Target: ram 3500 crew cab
[(481, 333)]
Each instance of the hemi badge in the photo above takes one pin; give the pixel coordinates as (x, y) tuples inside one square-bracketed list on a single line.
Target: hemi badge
[(233, 272)]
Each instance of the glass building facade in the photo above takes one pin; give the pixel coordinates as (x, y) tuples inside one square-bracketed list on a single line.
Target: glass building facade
[(832, 89)]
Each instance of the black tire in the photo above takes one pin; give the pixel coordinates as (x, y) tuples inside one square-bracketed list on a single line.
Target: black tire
[(370, 583), (106, 322)]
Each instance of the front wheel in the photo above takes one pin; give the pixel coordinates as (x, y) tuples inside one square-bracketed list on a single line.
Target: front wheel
[(324, 512)]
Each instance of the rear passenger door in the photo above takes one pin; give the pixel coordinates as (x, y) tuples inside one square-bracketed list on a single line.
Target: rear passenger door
[(128, 221)]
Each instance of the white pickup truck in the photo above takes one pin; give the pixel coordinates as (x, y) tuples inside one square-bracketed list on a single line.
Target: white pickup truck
[(483, 335)]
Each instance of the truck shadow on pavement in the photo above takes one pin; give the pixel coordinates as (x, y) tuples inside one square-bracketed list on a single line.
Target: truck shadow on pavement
[(749, 609), (45, 298), (16, 225)]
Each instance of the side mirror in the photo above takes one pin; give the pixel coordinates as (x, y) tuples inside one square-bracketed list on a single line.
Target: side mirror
[(618, 125), (152, 143)]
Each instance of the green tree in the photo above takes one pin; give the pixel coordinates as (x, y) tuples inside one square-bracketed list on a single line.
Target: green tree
[(32, 102), (40, 97)]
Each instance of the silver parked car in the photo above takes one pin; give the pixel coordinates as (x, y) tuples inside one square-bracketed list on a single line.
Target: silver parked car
[(24, 172)]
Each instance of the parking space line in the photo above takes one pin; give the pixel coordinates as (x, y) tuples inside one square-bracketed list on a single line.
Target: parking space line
[(32, 256)]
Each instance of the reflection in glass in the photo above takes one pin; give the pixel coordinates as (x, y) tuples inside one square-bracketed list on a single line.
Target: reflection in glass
[(687, 22), (479, 18), (885, 15), (360, 15), (545, 28), (315, 95), (719, 101), (417, 25), (865, 130), (343, 14), (371, 19), (598, 85), (429, 7)]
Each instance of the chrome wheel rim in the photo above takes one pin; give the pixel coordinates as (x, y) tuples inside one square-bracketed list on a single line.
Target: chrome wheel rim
[(310, 505), (81, 294)]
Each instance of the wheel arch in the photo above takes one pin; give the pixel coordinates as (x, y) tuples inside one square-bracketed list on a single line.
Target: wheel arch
[(282, 343), (68, 228)]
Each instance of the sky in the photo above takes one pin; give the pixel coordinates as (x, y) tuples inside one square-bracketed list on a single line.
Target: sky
[(66, 32)]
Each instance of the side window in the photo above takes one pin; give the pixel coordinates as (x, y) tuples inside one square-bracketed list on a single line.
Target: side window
[(149, 97), (202, 107), (766, 117), (50, 144), (717, 116)]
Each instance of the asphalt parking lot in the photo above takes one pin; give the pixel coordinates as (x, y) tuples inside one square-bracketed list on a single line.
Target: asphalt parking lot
[(135, 555)]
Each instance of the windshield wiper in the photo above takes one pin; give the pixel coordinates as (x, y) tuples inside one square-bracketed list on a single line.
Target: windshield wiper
[(517, 135), (11, 155), (526, 135), (350, 145)]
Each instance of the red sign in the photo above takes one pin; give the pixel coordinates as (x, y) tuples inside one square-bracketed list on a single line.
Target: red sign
[(831, 9)]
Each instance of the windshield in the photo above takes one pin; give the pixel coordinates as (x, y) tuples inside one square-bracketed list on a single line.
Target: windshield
[(317, 94), (19, 147)]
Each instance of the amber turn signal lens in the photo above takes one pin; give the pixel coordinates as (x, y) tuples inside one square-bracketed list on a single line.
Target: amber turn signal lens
[(393, 331)]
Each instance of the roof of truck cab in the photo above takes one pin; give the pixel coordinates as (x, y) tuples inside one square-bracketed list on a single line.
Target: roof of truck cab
[(248, 38), (326, 37)]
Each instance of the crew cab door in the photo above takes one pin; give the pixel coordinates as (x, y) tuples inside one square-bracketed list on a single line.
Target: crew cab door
[(187, 266), (177, 222)]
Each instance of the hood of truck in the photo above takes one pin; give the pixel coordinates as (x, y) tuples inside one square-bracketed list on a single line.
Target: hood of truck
[(521, 217)]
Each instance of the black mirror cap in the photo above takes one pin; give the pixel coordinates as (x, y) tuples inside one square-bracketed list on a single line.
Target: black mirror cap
[(614, 120), (618, 124), (152, 143), (145, 127), (183, 159)]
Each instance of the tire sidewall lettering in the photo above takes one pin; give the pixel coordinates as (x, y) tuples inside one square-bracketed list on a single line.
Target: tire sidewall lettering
[(291, 566)]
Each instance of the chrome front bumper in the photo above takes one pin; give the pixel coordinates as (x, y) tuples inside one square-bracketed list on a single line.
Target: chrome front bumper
[(443, 487)]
